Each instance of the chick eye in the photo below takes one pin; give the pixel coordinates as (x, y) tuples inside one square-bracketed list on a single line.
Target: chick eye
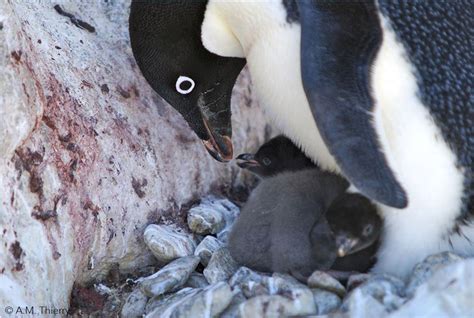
[(368, 230), (266, 161), (184, 85)]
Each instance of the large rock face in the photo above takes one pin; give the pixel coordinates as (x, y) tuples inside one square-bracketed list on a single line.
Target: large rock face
[(89, 154)]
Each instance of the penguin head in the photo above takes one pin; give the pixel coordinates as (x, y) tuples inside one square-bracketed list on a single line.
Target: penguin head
[(166, 43), (354, 222), (277, 155)]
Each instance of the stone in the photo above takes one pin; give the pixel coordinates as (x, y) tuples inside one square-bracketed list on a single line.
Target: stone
[(447, 293), (286, 297), (170, 277), (322, 280), (250, 282), (362, 305), (221, 266), (227, 209), (424, 270), (196, 280), (105, 155), (168, 242), (326, 301), (275, 306), (209, 302), (388, 290), (233, 311), (204, 220), (356, 280), (134, 304), (206, 248), (161, 302)]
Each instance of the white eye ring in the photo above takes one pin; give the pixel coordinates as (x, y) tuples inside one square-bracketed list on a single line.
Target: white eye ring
[(181, 80)]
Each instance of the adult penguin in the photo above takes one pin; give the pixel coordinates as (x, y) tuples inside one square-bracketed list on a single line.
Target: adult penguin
[(378, 91)]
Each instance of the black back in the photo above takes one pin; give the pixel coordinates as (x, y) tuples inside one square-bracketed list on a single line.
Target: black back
[(438, 38)]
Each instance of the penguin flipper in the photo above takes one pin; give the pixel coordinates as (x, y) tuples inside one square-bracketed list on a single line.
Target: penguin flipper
[(339, 41)]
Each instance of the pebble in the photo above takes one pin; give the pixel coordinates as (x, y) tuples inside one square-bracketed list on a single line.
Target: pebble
[(356, 280), (161, 302), (448, 293), (134, 304), (167, 242), (325, 301), (362, 305), (424, 270), (204, 219), (170, 277), (233, 311), (206, 248), (250, 282), (276, 306), (207, 302), (196, 280), (221, 266), (286, 297), (386, 289), (322, 280), (229, 212)]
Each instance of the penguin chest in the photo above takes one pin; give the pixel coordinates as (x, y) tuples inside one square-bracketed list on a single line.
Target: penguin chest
[(274, 64)]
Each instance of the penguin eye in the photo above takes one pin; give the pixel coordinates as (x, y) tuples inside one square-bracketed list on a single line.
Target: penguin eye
[(184, 85), (266, 161), (368, 229)]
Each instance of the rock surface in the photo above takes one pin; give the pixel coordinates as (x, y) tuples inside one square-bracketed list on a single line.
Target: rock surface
[(168, 242), (206, 248), (325, 281), (89, 154), (220, 267), (170, 277)]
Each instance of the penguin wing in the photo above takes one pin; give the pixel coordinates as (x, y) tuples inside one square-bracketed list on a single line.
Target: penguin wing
[(339, 41)]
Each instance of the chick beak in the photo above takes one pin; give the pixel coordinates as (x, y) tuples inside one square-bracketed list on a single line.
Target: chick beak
[(247, 161), (346, 246)]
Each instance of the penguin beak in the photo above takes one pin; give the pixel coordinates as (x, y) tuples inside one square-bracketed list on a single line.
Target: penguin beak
[(346, 246), (248, 161), (219, 146)]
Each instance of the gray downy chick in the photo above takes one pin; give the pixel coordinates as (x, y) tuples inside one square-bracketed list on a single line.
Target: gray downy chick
[(282, 227), (351, 216)]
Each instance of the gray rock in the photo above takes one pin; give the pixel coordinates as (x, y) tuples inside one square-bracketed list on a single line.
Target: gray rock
[(170, 277), (197, 280), (277, 306), (356, 280), (161, 302), (206, 248), (325, 281), (448, 293), (168, 242), (362, 305), (386, 289), (227, 209), (232, 311), (286, 296), (325, 301), (134, 304), (204, 219), (424, 270), (250, 282), (208, 302), (220, 267)]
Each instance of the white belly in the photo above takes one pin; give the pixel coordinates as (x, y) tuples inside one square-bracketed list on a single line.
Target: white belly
[(422, 161), (277, 81)]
